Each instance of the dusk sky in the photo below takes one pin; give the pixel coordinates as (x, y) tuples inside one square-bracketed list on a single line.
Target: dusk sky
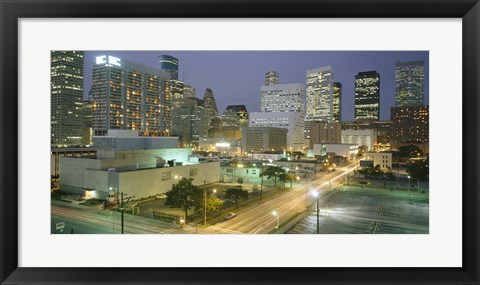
[(236, 76)]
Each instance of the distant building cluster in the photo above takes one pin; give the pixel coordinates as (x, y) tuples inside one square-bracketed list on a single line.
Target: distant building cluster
[(155, 102)]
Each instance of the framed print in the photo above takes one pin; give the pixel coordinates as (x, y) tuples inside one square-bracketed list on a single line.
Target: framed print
[(318, 170)]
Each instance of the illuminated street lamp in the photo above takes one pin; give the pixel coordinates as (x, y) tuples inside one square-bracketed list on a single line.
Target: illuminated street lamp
[(277, 214), (409, 188), (317, 197)]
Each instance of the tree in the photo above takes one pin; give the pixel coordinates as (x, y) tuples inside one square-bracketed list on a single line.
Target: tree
[(273, 171), (214, 204), (418, 169), (184, 195), (409, 151), (235, 194), (286, 177)]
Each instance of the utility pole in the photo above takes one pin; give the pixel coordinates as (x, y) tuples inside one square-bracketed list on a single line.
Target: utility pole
[(122, 207), (261, 183), (204, 204), (318, 215)]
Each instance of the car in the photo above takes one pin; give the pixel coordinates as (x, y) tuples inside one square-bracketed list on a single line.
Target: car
[(161, 196), (230, 215)]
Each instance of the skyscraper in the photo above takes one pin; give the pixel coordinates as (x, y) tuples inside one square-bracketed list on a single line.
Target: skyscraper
[(235, 116), (409, 83), (320, 94), (410, 125), (169, 65), (367, 96), (337, 101), (271, 78), (210, 104), (189, 91), (128, 95), (66, 83), (283, 98)]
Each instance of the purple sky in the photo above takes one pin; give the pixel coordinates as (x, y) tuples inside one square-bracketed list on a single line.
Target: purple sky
[(236, 76)]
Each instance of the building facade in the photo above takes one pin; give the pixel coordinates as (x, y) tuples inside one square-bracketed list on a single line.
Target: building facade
[(325, 133), (66, 83), (235, 116), (128, 95), (337, 101), (367, 96), (383, 129), (272, 78), (409, 83), (283, 98), (293, 122), (410, 125), (258, 139), (189, 122), (319, 94), (367, 138), (384, 159), (169, 65)]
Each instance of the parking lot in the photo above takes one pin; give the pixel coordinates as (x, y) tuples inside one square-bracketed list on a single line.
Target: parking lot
[(356, 210)]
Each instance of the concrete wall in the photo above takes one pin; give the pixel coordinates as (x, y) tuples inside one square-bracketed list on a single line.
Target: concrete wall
[(144, 182)]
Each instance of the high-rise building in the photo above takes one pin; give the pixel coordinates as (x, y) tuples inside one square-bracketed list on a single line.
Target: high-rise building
[(66, 73), (128, 95), (169, 65), (271, 78), (367, 96), (177, 91), (410, 125), (189, 91), (235, 116), (319, 95), (209, 105), (188, 121), (409, 83), (283, 98), (337, 101)]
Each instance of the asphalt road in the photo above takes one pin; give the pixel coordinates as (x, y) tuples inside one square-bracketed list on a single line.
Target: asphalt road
[(258, 219), (88, 220)]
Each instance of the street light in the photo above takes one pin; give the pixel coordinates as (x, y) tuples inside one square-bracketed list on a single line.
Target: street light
[(409, 188), (277, 214), (317, 196)]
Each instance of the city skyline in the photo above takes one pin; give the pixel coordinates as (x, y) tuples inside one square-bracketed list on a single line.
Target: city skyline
[(236, 77)]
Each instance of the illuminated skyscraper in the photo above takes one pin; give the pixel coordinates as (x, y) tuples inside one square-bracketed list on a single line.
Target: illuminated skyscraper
[(210, 104), (319, 97), (271, 78), (283, 98), (189, 91), (409, 83), (320, 94), (337, 102), (235, 116), (128, 95), (169, 65), (367, 96), (67, 122)]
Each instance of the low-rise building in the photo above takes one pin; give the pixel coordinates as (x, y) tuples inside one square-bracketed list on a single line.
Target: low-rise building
[(367, 138), (384, 159), (259, 139), (139, 173), (346, 151)]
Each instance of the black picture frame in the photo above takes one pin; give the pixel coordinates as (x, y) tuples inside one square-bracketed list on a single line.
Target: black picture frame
[(11, 11)]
